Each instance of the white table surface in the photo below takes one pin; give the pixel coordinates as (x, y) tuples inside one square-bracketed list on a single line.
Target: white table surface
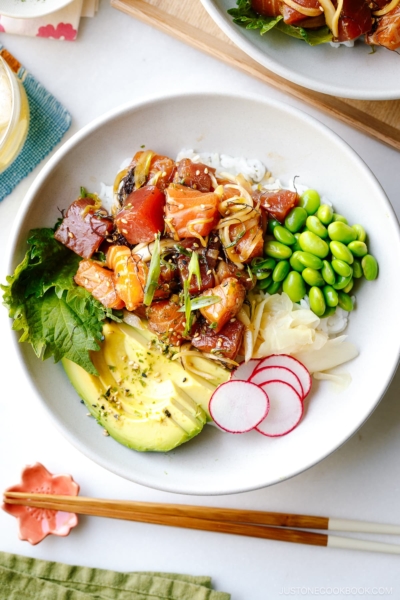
[(116, 59)]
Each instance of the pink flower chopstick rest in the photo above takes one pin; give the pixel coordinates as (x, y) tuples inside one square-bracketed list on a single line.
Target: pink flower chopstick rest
[(37, 523)]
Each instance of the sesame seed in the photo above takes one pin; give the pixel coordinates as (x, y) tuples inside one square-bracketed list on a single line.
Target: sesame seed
[(209, 272), (232, 320), (88, 414), (124, 231), (164, 174), (105, 432), (216, 239), (124, 221), (206, 171), (70, 234), (197, 172)]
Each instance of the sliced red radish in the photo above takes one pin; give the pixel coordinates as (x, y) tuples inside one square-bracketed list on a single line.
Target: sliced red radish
[(284, 360), (244, 371), (286, 409), (238, 406), (277, 374)]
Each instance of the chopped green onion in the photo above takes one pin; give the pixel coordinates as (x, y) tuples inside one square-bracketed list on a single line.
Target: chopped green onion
[(194, 269), (201, 302), (83, 192), (153, 275), (182, 250)]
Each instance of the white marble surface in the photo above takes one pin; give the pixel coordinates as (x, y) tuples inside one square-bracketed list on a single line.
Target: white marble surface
[(114, 60)]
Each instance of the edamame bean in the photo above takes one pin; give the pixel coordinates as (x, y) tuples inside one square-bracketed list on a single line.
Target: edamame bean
[(341, 218), (360, 231), (284, 236), (341, 252), (357, 269), (296, 246), (345, 302), (272, 223), (264, 283), (258, 264), (328, 273), (315, 225), (317, 301), (281, 271), (325, 214), (310, 260), (310, 201), (274, 287), (369, 267), (262, 274), (342, 268), (310, 242), (296, 219), (358, 249), (330, 310), (294, 286), (349, 287), (341, 232), (312, 277), (330, 295), (277, 250), (295, 263), (342, 282)]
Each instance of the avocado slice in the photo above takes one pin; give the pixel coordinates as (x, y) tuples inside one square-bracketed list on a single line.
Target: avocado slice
[(142, 398)]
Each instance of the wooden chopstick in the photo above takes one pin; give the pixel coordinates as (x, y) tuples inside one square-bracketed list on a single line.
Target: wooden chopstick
[(221, 520)]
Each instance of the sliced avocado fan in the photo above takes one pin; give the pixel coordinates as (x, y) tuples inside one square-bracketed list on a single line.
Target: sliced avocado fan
[(142, 398)]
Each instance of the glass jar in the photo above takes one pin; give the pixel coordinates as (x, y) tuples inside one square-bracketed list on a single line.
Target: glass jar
[(14, 115)]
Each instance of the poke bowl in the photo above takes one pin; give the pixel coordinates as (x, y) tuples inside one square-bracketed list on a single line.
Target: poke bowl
[(294, 152), (352, 69)]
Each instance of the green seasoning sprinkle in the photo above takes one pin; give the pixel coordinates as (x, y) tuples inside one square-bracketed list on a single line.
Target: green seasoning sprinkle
[(201, 302), (153, 275)]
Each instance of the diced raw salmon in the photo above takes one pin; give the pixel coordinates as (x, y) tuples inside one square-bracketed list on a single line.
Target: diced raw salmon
[(251, 244), (167, 322), (100, 282), (228, 269), (190, 213), (142, 216), (130, 275), (232, 294), (278, 203)]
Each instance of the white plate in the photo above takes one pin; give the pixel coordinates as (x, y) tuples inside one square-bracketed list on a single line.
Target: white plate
[(290, 143), (345, 72), (30, 9)]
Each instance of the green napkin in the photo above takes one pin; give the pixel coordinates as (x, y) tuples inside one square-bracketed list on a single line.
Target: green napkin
[(23, 578)]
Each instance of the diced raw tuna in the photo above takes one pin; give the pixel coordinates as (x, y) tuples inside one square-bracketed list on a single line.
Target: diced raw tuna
[(278, 204), (83, 228), (142, 216), (227, 342), (194, 175)]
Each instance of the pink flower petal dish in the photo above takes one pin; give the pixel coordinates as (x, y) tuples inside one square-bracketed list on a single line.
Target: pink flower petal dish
[(37, 523)]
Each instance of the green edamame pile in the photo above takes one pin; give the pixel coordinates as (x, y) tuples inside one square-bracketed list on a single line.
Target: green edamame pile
[(315, 252)]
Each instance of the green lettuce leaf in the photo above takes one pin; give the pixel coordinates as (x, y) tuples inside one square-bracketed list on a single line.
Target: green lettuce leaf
[(56, 316), (245, 16)]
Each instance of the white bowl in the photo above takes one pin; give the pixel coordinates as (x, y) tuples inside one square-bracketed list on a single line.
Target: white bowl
[(290, 143), (30, 9), (345, 72)]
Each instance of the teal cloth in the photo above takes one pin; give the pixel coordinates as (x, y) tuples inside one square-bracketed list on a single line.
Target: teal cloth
[(24, 578), (49, 121)]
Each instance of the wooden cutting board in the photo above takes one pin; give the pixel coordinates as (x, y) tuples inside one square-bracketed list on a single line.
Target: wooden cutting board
[(189, 22)]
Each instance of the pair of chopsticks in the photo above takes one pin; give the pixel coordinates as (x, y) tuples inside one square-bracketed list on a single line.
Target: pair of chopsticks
[(259, 524)]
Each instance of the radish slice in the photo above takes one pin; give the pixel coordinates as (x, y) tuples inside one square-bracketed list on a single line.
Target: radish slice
[(284, 360), (277, 374), (238, 406), (286, 409), (245, 370)]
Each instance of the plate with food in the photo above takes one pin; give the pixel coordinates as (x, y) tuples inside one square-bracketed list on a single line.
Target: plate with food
[(31, 9), (210, 295), (346, 49)]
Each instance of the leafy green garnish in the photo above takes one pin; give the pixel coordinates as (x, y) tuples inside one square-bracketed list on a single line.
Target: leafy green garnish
[(201, 302), (153, 274), (56, 316), (246, 17)]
